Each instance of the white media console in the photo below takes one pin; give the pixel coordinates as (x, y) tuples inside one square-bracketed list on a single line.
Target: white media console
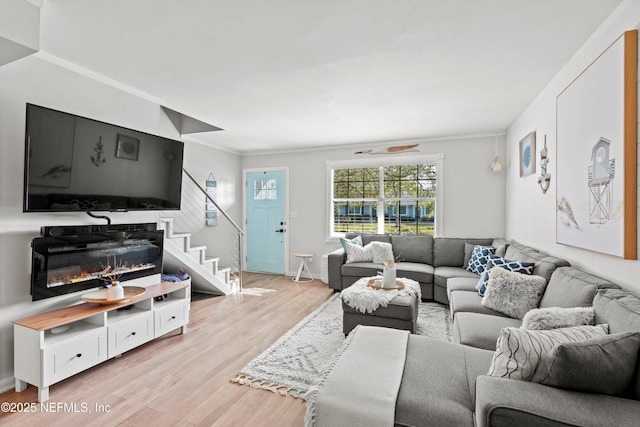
[(46, 351)]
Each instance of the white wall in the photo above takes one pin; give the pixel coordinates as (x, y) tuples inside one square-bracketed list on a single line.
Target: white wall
[(531, 216), (474, 201), (33, 80)]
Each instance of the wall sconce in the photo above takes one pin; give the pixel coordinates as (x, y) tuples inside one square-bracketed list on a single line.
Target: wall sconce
[(545, 178), (497, 165)]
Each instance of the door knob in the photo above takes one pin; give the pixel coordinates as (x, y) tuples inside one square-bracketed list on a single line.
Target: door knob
[(280, 230)]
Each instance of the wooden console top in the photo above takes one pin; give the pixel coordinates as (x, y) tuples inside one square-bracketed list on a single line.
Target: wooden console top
[(63, 316)]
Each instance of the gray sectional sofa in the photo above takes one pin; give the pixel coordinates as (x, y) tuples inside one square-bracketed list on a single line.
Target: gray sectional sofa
[(447, 383), (427, 260)]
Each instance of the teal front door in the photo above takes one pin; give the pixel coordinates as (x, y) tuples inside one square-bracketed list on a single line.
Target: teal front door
[(266, 226)]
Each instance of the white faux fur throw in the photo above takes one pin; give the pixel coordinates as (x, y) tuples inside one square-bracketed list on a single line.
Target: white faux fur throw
[(366, 299), (557, 317)]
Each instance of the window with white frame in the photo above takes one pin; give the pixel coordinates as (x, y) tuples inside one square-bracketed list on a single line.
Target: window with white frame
[(396, 196)]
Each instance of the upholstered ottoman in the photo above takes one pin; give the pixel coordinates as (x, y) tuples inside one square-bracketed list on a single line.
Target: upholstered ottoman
[(400, 313)]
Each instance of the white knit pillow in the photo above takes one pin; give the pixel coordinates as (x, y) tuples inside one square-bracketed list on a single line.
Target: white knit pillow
[(357, 253), (519, 351), (381, 252), (557, 317)]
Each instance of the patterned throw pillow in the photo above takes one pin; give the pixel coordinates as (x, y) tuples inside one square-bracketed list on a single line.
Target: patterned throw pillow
[(356, 241), (519, 351), (357, 253), (507, 264), (513, 293), (479, 257), (381, 252)]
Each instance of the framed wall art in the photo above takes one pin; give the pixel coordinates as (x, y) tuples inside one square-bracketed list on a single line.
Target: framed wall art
[(596, 128), (128, 147), (528, 154)]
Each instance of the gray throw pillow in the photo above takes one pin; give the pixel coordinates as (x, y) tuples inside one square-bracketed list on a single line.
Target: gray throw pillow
[(518, 351), (511, 293), (557, 317), (468, 251), (602, 364)]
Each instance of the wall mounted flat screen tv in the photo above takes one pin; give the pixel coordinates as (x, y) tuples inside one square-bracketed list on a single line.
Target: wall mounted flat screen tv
[(73, 163)]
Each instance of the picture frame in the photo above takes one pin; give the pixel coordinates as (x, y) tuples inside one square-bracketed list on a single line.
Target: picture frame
[(211, 213), (528, 154), (127, 147), (596, 175)]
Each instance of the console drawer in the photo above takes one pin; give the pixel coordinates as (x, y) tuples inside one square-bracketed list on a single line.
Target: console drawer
[(127, 334), (67, 358), (169, 318)]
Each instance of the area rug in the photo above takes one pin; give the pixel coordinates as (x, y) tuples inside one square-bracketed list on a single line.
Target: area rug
[(295, 362)]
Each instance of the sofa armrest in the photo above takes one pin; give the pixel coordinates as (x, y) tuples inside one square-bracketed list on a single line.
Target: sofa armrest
[(503, 402), (335, 261)]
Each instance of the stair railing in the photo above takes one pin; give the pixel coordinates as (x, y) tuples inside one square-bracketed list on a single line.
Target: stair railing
[(223, 241)]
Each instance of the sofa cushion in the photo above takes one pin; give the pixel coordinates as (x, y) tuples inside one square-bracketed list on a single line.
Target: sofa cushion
[(360, 269), (621, 310), (442, 274), (545, 264), (466, 284), (442, 393), (603, 365), (557, 317), (518, 351), (570, 287), (513, 293), (422, 273), (450, 251), (480, 330), (469, 302), (500, 245), (357, 253), (413, 248), (479, 258)]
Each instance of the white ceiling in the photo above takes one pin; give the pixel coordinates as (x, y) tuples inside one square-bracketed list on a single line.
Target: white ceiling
[(295, 74)]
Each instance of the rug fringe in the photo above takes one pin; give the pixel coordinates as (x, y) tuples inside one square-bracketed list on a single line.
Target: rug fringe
[(243, 379)]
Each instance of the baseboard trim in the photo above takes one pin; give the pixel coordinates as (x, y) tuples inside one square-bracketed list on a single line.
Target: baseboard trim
[(7, 384)]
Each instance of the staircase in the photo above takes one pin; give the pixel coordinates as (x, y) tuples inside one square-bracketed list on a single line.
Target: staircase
[(206, 274)]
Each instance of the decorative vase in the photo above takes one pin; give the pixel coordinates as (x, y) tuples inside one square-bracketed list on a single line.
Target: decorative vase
[(115, 290), (389, 275)]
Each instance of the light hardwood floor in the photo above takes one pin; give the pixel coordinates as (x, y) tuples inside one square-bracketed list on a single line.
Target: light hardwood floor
[(183, 380)]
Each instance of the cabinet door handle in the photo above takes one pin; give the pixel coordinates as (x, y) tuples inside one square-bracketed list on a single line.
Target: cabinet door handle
[(79, 355), (173, 318), (132, 333)]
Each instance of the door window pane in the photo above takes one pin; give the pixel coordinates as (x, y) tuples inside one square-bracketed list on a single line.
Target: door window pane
[(265, 189)]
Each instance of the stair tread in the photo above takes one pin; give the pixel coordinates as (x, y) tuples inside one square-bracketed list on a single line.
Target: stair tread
[(211, 259), (197, 248)]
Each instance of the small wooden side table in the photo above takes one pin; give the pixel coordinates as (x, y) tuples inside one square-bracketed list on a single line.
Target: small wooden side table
[(303, 266)]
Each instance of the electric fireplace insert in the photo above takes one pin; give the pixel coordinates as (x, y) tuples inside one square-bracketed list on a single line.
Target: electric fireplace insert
[(69, 259)]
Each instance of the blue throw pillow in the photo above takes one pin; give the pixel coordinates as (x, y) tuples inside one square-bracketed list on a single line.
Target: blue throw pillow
[(356, 241), (496, 261), (479, 257)]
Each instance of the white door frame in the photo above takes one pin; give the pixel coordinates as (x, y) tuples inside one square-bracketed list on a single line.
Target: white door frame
[(286, 212)]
